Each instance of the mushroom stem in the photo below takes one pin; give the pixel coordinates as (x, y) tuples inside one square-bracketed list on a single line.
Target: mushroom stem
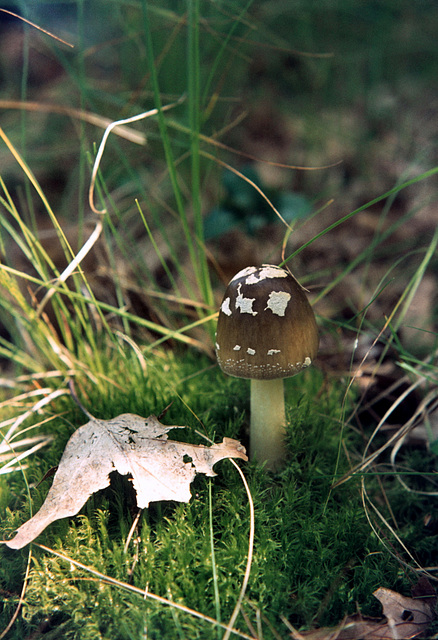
[(268, 420)]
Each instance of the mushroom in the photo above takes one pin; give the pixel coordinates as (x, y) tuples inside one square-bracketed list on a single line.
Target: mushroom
[(266, 331)]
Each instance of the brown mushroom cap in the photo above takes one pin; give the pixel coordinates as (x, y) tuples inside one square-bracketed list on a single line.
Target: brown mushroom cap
[(266, 327)]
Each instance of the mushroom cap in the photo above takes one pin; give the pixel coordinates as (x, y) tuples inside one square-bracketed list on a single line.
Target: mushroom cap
[(266, 327)]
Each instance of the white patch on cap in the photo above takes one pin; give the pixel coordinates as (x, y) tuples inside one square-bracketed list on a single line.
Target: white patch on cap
[(266, 271), (217, 346), (244, 304), (225, 307), (272, 352), (277, 302), (307, 362), (250, 352), (237, 347), (243, 273)]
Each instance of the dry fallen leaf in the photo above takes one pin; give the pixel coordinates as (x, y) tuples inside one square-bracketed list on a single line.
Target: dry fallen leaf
[(161, 469), (404, 618)]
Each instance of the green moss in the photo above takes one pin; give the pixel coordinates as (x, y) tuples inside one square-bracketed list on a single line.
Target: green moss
[(315, 555)]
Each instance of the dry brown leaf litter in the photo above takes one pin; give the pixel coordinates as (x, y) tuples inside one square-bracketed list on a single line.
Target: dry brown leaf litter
[(404, 618)]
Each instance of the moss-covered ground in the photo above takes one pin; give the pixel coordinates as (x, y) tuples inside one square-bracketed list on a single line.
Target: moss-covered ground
[(316, 558)]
